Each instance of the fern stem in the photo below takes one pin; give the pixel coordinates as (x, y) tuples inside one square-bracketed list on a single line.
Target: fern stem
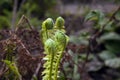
[(51, 66), (57, 65), (46, 33)]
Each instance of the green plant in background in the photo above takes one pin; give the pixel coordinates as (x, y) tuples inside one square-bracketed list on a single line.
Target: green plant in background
[(4, 22), (5, 14), (98, 17), (110, 36), (55, 41), (34, 9), (12, 73)]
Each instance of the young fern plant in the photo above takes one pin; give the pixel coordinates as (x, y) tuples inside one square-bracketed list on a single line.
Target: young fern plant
[(55, 41)]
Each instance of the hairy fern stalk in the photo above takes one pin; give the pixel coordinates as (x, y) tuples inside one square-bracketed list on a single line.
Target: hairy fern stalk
[(54, 40)]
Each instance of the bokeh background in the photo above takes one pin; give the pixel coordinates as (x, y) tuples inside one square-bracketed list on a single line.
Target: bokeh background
[(103, 62)]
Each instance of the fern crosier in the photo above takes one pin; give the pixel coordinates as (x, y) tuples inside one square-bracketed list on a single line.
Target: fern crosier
[(47, 26), (61, 42), (55, 41), (50, 51)]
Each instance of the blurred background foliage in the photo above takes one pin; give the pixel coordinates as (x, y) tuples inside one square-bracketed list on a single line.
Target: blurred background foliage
[(83, 19), (37, 10)]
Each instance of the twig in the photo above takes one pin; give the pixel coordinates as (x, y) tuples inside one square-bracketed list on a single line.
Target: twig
[(14, 14), (19, 42), (24, 20), (2, 72), (23, 46), (36, 71)]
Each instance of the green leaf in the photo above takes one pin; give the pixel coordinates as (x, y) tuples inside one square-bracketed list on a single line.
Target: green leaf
[(105, 55), (117, 16), (114, 63), (110, 26), (78, 40), (113, 46), (95, 15), (109, 36), (111, 41), (94, 65)]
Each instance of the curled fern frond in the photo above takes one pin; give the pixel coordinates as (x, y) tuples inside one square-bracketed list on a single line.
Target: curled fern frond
[(59, 23), (61, 40), (48, 24), (55, 41), (50, 51), (50, 46)]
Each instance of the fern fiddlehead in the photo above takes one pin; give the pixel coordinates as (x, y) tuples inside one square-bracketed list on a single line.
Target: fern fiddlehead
[(55, 41), (50, 51), (46, 26)]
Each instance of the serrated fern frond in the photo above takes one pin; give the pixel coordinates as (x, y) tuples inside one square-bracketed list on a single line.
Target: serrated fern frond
[(55, 40)]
